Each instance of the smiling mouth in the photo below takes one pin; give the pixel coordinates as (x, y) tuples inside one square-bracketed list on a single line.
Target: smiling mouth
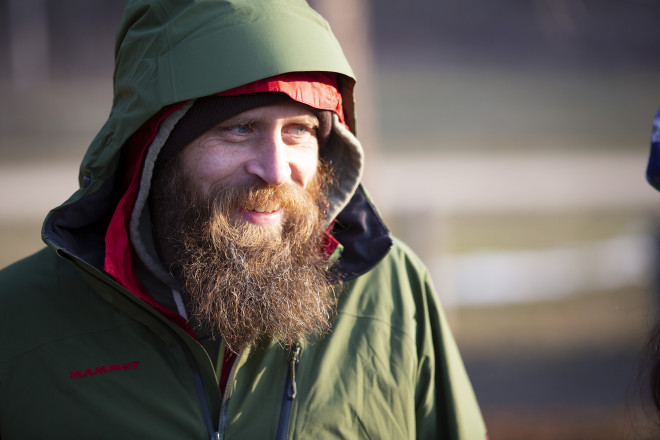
[(263, 215), (264, 209)]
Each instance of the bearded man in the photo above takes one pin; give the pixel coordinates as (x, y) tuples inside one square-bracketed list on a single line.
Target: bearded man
[(221, 272)]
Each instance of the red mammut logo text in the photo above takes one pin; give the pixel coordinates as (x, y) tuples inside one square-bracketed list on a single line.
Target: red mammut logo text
[(105, 369)]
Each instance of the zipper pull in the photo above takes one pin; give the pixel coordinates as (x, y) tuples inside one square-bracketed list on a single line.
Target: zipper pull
[(215, 436), (294, 358)]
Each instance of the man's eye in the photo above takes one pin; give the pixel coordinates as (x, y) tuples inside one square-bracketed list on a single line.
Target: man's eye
[(240, 128), (302, 130)]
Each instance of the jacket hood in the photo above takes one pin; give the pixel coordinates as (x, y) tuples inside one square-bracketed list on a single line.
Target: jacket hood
[(174, 51), (171, 52)]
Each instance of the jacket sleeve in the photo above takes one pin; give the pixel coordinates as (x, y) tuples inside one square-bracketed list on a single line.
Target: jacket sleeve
[(446, 406)]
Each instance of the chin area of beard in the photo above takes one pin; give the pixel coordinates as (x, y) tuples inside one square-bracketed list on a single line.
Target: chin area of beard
[(247, 283)]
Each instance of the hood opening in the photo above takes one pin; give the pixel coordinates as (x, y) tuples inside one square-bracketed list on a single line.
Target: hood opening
[(317, 89)]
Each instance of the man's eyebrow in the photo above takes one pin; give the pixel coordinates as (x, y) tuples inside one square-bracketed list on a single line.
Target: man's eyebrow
[(308, 119), (236, 120)]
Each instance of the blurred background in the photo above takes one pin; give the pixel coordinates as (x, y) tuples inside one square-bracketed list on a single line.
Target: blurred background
[(506, 143)]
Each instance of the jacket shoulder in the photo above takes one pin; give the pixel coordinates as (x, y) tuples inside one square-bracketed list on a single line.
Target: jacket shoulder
[(39, 296), (402, 255), (397, 291), (37, 274)]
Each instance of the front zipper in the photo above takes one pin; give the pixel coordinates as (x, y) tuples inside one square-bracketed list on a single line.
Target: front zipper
[(289, 393), (222, 422)]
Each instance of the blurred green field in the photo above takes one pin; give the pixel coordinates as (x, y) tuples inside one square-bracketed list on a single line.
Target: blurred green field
[(464, 233)]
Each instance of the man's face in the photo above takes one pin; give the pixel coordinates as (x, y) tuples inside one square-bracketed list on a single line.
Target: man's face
[(240, 218), (275, 144)]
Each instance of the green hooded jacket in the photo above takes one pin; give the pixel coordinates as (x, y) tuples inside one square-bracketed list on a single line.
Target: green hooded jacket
[(82, 357)]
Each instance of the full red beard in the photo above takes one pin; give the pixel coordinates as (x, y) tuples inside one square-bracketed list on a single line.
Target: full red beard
[(246, 282)]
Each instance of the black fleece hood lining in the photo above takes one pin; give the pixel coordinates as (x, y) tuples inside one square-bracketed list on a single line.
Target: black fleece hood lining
[(363, 234)]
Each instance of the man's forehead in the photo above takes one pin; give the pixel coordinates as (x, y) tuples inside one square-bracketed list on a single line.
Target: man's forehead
[(285, 109)]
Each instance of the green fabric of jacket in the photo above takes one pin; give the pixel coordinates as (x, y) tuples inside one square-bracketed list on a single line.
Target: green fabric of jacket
[(81, 357)]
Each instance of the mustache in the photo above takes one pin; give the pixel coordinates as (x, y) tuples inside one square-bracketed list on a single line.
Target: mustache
[(256, 194), (226, 198)]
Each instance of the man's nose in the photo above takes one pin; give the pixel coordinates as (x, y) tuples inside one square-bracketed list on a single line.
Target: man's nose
[(272, 162)]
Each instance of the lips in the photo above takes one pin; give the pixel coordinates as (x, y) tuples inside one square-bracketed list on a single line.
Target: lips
[(263, 215)]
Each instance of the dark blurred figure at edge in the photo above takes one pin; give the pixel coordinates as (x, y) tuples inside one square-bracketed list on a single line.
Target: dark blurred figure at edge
[(650, 367)]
